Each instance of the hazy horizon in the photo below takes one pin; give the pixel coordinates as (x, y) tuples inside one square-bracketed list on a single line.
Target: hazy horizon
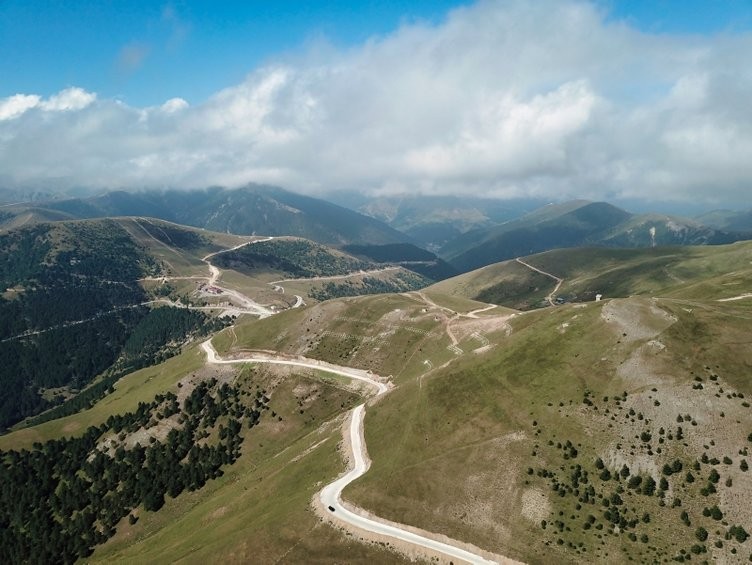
[(355, 200)]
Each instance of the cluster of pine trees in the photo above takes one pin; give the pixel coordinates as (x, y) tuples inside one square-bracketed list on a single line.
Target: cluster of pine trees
[(65, 496), (73, 312), (159, 335), (68, 356), (401, 282), (55, 275), (166, 327), (296, 257)]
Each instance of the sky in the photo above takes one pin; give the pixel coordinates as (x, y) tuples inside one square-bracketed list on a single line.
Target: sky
[(606, 99)]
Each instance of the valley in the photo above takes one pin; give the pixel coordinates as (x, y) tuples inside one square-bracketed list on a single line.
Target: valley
[(496, 434), (330, 495), (641, 321), (331, 506)]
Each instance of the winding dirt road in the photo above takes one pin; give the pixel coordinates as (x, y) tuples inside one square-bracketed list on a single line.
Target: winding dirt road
[(474, 313), (331, 495), (254, 307), (331, 498), (213, 269), (551, 295), (279, 359), (245, 304), (733, 298)]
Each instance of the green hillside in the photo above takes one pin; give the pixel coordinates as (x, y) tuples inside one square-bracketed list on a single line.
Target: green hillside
[(586, 272), (475, 449), (292, 257), (56, 275), (575, 439), (73, 316), (587, 432), (331, 273)]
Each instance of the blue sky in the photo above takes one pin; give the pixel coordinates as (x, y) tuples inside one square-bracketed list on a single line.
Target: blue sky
[(604, 99), (145, 52), (683, 16)]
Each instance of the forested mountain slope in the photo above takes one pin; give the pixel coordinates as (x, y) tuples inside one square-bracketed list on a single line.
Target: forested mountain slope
[(56, 275), (292, 257), (72, 306)]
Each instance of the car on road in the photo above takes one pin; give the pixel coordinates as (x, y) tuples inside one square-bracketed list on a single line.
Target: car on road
[(331, 508)]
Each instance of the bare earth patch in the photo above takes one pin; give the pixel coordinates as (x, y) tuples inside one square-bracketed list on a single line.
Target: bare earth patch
[(635, 319), (71, 427), (535, 505), (463, 328)]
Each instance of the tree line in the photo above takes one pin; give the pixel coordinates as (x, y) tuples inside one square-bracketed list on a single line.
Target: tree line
[(62, 498), (71, 311)]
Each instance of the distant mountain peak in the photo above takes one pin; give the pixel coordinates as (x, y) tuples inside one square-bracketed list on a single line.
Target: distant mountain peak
[(576, 223), (254, 208)]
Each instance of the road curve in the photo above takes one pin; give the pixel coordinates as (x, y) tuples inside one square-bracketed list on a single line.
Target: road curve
[(331, 497), (215, 273), (474, 313), (740, 297), (262, 240), (331, 494), (558, 280), (250, 304), (266, 358)]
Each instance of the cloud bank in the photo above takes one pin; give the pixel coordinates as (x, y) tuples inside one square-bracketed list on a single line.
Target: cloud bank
[(504, 98)]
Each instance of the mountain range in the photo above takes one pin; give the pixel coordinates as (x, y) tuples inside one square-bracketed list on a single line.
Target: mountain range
[(193, 388), (575, 224), (433, 221), (459, 234), (244, 211), (729, 220)]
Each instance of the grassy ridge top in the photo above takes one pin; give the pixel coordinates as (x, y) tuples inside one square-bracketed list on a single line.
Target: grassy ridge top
[(701, 272)]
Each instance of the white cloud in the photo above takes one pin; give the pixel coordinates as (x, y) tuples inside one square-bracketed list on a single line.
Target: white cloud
[(68, 99), (14, 106), (174, 105), (505, 97)]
